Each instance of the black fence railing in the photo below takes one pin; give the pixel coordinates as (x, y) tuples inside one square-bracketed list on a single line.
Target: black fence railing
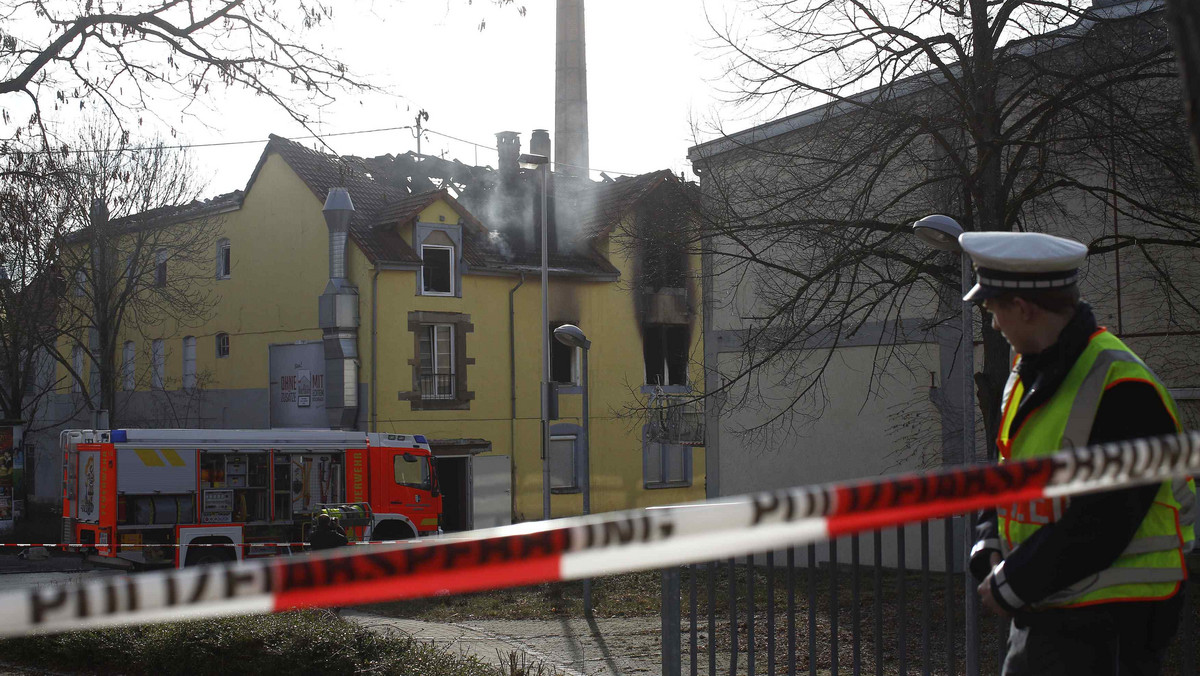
[(437, 385), (866, 604)]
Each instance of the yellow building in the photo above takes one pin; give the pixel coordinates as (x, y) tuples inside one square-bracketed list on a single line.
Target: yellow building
[(439, 312)]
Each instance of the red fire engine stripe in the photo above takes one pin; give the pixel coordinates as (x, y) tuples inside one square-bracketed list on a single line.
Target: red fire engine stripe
[(457, 581)]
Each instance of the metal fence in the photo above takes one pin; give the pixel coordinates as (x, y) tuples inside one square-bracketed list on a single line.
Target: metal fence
[(885, 602)]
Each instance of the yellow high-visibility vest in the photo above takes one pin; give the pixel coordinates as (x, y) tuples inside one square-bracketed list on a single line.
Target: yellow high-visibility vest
[(1152, 565)]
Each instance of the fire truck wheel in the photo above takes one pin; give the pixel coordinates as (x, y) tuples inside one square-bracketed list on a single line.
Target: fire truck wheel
[(393, 530), (210, 555)]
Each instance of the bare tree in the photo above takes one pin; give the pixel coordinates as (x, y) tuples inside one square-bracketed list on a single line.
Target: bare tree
[(132, 55), (33, 216), (1184, 18), (1054, 116), (139, 259)]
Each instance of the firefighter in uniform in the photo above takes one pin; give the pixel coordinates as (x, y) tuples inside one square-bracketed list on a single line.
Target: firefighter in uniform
[(1093, 584)]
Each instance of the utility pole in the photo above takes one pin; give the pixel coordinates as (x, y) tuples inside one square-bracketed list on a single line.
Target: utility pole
[(422, 116)]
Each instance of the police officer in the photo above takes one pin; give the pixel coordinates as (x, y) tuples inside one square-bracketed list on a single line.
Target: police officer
[(1092, 584)]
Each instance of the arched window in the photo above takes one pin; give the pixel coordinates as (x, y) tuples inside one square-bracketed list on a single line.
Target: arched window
[(189, 362), (224, 259)]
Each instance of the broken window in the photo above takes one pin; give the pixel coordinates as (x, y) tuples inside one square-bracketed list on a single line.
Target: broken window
[(563, 367), (437, 270), (664, 265), (665, 349)]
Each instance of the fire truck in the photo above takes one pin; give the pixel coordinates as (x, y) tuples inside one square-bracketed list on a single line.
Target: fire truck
[(157, 497)]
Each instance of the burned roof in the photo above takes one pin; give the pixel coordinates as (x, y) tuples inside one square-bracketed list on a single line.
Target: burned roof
[(389, 190), (614, 199)]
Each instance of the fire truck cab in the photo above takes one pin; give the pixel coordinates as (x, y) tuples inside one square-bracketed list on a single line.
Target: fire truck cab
[(161, 496)]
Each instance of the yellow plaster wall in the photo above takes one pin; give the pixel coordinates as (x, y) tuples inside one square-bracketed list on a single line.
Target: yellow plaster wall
[(280, 267)]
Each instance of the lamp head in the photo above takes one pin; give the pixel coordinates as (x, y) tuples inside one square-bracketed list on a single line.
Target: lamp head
[(571, 335), (939, 232), (527, 161)]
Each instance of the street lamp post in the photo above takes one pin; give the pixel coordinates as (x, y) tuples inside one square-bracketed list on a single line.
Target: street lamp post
[(941, 232), (542, 164), (573, 336)]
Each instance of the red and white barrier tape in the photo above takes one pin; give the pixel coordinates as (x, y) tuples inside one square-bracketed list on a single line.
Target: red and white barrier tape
[(590, 546), (122, 545)]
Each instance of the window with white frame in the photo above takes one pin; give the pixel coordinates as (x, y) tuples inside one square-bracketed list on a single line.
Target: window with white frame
[(665, 465), (564, 465), (222, 341), (160, 267), (436, 347), (158, 364), (128, 366), (189, 362), (437, 270), (80, 282), (224, 259), (77, 366)]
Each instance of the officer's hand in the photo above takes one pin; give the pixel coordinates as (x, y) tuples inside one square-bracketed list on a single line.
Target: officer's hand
[(985, 591)]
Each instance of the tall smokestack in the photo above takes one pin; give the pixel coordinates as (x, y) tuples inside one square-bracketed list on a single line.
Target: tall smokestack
[(570, 91)]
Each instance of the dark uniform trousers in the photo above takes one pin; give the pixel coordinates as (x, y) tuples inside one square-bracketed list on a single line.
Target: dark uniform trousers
[(1106, 639)]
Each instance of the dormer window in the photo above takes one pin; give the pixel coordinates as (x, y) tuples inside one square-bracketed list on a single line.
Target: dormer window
[(437, 270)]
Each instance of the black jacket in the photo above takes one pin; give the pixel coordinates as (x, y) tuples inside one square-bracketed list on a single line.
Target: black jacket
[(327, 538), (1094, 529)]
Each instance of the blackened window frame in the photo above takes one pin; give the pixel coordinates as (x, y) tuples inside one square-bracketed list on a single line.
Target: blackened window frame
[(560, 352), (656, 347)]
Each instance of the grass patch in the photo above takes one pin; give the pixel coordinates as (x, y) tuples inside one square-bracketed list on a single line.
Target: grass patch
[(305, 642)]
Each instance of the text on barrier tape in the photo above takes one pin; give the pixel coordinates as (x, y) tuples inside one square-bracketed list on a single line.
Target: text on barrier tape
[(602, 544)]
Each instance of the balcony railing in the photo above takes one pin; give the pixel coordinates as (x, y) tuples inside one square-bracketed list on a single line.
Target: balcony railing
[(437, 386), (675, 419)]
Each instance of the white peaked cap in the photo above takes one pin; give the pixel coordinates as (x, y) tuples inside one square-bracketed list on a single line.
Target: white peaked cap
[(1008, 262)]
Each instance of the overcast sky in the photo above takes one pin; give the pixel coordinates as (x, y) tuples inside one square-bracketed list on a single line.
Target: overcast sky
[(649, 74)]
